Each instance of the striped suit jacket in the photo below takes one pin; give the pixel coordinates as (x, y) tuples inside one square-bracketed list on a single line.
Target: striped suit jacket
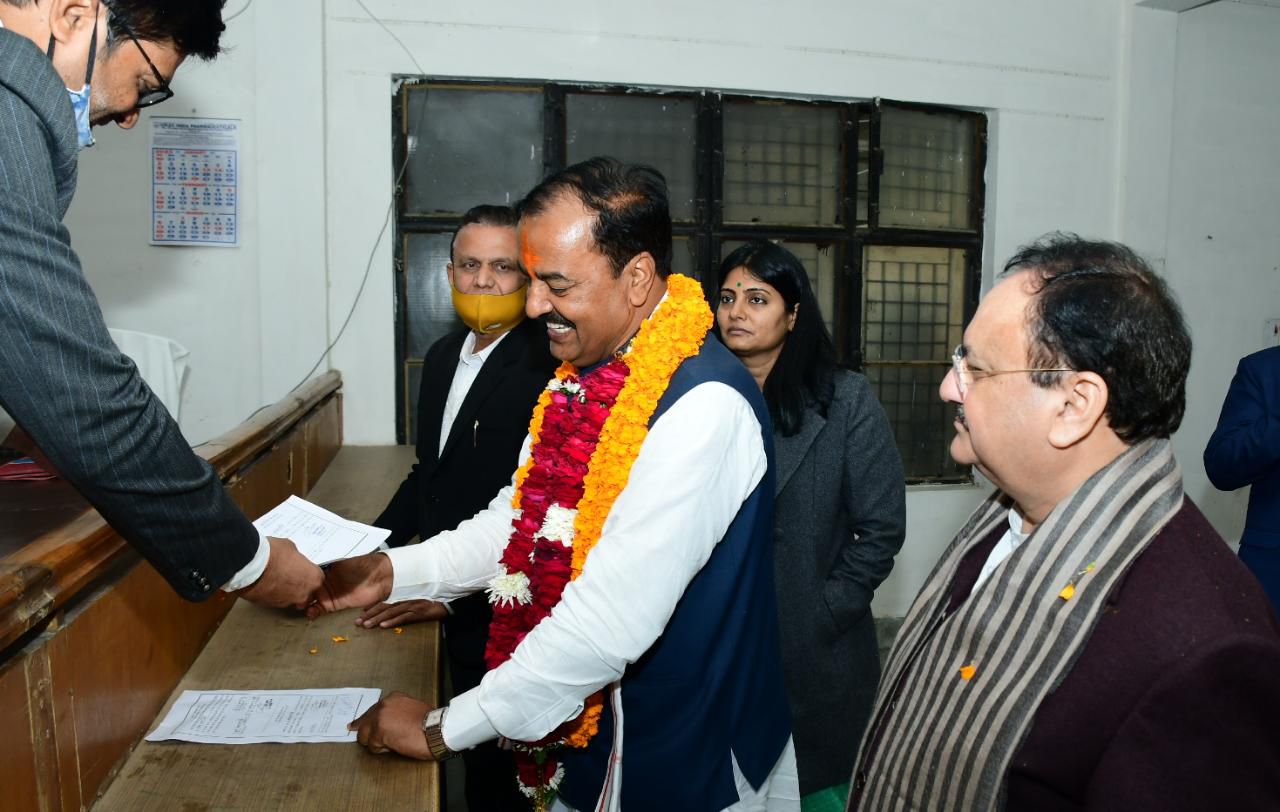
[(61, 377)]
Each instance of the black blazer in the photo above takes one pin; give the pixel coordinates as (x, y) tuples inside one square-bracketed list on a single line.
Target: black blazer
[(479, 458)]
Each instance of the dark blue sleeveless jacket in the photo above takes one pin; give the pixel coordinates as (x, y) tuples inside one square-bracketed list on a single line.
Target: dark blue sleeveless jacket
[(712, 683)]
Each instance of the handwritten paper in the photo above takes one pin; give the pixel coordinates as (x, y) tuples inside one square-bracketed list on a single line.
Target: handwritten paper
[(318, 534), (254, 717)]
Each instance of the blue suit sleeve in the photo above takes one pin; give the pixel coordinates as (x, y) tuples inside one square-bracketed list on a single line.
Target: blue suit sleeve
[(1246, 444)]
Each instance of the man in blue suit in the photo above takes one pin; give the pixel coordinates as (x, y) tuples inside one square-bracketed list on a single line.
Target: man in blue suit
[(1245, 450)]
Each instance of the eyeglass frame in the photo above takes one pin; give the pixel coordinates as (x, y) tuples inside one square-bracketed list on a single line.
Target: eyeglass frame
[(961, 368), (152, 97)]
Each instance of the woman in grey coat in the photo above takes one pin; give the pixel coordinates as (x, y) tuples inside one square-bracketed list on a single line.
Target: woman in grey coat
[(840, 515)]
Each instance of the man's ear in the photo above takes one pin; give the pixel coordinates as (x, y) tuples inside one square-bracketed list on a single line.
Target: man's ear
[(448, 271), (1081, 407), (639, 275), (67, 18)]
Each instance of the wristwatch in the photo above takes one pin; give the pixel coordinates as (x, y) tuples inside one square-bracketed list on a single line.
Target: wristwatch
[(435, 738)]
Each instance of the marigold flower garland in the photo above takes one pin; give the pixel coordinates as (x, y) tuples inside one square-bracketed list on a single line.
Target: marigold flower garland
[(586, 433)]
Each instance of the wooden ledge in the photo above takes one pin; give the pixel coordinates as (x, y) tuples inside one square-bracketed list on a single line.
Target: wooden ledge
[(41, 576)]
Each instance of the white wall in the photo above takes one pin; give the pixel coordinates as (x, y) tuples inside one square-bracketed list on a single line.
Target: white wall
[(1073, 91), (253, 317), (1223, 246)]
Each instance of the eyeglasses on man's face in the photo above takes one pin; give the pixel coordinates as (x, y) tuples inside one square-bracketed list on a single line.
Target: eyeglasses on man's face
[(965, 376), (162, 91)]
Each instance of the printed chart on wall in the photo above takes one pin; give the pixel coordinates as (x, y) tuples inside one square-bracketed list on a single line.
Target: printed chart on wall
[(195, 182)]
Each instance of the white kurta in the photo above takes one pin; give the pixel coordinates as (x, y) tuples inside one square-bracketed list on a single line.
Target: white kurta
[(699, 463)]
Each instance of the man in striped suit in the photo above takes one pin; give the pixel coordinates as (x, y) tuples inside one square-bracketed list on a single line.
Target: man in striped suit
[(65, 66), (1087, 640)]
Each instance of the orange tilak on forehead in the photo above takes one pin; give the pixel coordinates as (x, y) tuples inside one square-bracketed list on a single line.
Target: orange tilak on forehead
[(528, 257)]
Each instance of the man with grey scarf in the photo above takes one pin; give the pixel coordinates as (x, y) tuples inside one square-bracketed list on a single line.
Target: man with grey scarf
[(1087, 640)]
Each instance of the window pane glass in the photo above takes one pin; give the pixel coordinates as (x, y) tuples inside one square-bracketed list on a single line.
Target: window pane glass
[(428, 311), (682, 257), (913, 302), (820, 265), (929, 168), (864, 166), (468, 147), (412, 386), (655, 130), (781, 163), (922, 424)]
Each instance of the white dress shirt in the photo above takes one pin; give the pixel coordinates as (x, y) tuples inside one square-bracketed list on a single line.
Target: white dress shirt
[(1010, 541), (469, 364)]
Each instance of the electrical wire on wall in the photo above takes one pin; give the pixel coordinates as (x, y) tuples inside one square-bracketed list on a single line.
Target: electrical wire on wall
[(386, 221)]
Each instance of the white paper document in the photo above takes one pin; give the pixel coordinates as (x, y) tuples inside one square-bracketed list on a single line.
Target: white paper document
[(320, 535), (254, 717)]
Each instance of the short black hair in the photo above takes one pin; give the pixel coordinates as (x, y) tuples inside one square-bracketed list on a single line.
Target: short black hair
[(194, 27), (804, 373), (484, 215), (629, 201), (1099, 307)]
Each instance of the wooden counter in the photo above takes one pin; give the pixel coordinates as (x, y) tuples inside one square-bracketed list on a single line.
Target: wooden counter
[(92, 640), (262, 649)]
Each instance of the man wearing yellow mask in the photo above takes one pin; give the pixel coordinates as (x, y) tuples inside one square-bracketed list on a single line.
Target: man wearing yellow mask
[(479, 387)]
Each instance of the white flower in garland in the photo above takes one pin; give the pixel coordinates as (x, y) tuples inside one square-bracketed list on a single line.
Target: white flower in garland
[(557, 525), (571, 389), (552, 785), (509, 588)]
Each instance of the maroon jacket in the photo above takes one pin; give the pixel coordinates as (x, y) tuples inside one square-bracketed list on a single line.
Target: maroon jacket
[(1174, 702)]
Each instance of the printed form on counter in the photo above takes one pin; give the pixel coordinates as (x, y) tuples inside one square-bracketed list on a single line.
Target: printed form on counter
[(255, 717)]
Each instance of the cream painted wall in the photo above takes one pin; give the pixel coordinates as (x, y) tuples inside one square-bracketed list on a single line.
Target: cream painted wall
[(1223, 247), (253, 317), (312, 83)]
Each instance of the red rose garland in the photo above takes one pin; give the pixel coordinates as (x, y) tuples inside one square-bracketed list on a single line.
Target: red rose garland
[(570, 430), (586, 432)]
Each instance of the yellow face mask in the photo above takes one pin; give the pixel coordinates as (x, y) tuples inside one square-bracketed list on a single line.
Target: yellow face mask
[(490, 313)]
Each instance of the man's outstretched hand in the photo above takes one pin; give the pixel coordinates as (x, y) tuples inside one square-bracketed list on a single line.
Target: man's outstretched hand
[(360, 581), (387, 615), (290, 578)]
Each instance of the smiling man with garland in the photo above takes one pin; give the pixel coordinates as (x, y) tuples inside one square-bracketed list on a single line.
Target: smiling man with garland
[(634, 652)]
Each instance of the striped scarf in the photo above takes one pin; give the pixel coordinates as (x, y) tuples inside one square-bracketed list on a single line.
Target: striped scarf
[(972, 682)]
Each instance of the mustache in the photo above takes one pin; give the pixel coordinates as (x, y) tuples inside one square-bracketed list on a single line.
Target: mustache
[(554, 318), (960, 415)]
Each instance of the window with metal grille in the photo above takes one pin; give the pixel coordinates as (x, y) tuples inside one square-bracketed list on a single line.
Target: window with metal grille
[(882, 202)]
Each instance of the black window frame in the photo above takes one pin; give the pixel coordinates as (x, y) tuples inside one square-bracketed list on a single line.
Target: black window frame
[(708, 231)]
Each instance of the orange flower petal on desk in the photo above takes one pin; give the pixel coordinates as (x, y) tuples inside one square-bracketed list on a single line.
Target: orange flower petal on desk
[(398, 630), (337, 638), (967, 672), (313, 650)]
